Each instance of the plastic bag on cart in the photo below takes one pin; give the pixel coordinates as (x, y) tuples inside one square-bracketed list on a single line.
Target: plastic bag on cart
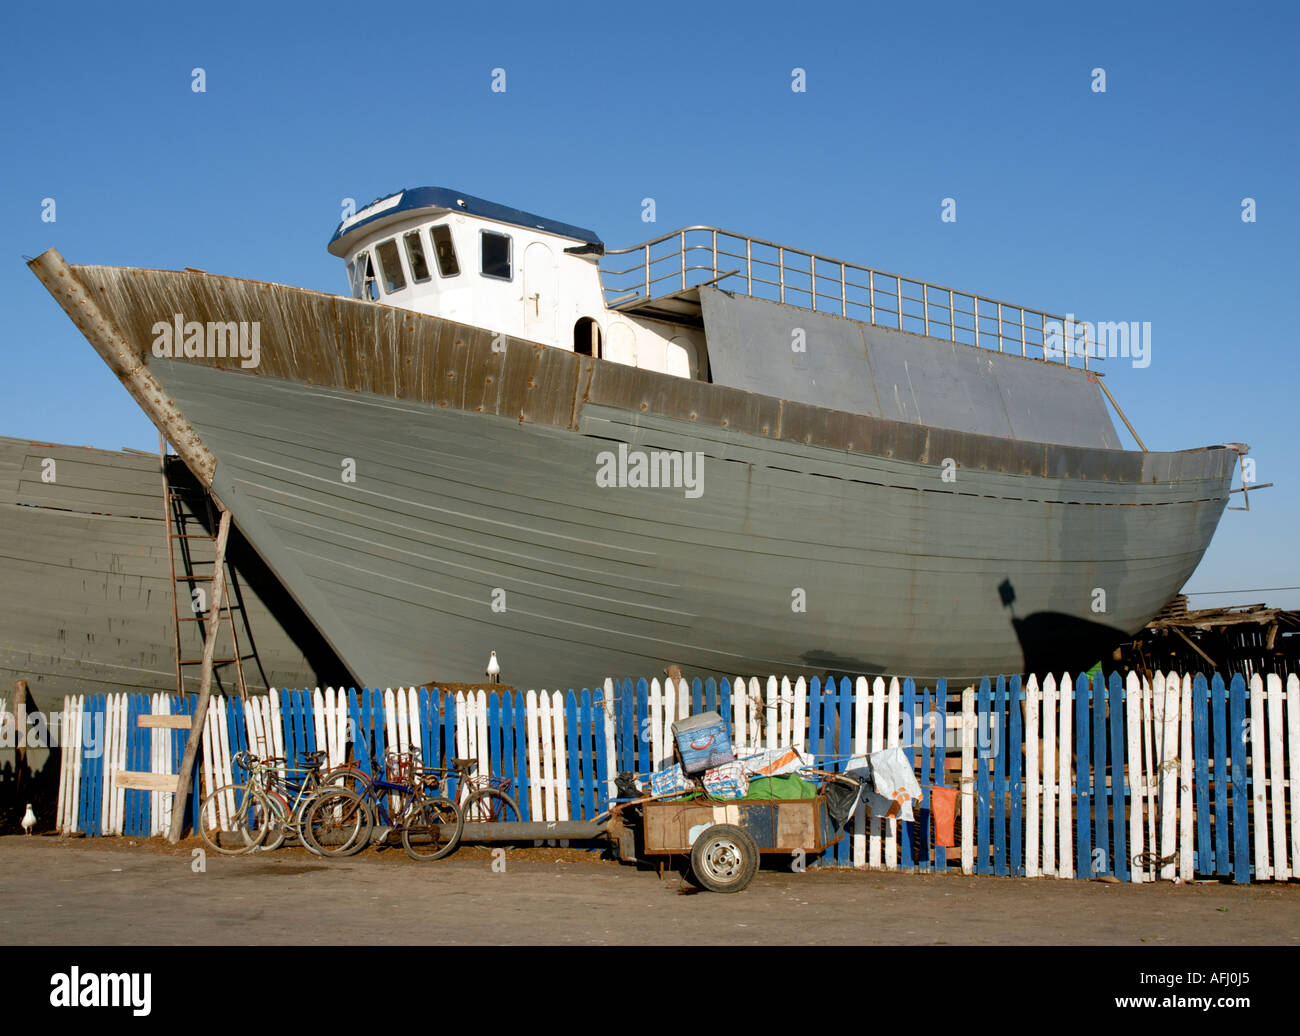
[(894, 785), (669, 779), (842, 797), (772, 762), (727, 781)]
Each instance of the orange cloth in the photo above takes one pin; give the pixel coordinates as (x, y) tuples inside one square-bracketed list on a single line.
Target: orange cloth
[(943, 807)]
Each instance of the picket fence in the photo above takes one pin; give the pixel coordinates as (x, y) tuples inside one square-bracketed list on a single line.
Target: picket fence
[(1180, 777)]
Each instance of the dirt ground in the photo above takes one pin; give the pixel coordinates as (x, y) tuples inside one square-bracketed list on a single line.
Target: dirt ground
[(128, 892)]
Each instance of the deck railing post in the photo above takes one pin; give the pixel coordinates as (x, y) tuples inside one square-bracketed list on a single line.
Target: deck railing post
[(812, 276)]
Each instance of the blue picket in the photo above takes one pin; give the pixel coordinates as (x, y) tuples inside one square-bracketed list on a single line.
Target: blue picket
[(725, 704), (711, 695), (1015, 760), (1082, 780), (521, 755), (1100, 823), (308, 721), (1118, 790), (982, 793), (357, 712), (697, 696), (573, 755), (924, 858), (644, 763), (590, 775), (626, 741), (999, 749), (449, 732), (1219, 703), (1201, 776), (815, 719), (844, 850), (1240, 791)]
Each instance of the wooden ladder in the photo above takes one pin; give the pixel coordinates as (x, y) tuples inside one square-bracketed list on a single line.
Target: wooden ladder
[(179, 520)]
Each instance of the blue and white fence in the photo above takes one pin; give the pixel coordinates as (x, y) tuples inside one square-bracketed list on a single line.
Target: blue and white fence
[(1177, 778)]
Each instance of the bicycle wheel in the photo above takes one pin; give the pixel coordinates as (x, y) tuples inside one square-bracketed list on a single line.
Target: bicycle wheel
[(337, 823), (232, 820), (424, 832), (490, 806), (347, 776), (275, 821)]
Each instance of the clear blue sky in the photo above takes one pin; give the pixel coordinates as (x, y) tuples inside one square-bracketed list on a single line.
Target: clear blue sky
[(1117, 206)]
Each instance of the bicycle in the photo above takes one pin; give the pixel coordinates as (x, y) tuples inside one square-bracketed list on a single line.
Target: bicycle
[(420, 819), (481, 798), (238, 818)]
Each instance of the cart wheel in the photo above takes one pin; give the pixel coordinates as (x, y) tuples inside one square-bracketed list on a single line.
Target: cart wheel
[(724, 858)]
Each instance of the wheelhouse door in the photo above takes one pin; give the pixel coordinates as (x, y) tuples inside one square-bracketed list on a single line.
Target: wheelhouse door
[(540, 283)]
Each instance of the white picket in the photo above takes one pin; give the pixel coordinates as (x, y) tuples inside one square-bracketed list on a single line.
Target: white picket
[(561, 758), (548, 758), (1133, 740), (1281, 869), (1049, 775), (1033, 803), (654, 716), (771, 724), (275, 723), (1169, 775), (78, 744), (1293, 755), (875, 744), (891, 741), (968, 720), (1258, 778), (683, 698), (787, 699), (611, 763), (861, 703), (1151, 771), (1185, 850), (1065, 868), (740, 713), (484, 753), (532, 714), (799, 719)]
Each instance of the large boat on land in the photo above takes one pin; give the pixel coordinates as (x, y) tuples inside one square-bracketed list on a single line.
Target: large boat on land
[(705, 450)]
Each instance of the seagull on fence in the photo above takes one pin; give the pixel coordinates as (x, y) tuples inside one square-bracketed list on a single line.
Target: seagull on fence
[(493, 669), (29, 820)]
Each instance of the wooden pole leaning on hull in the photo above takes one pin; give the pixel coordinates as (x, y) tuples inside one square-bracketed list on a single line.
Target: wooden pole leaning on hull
[(127, 362), (205, 682)]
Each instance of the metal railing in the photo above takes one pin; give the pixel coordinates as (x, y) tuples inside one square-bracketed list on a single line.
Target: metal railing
[(700, 255)]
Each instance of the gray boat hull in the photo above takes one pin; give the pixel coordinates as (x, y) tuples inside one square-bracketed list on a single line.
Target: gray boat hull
[(821, 541)]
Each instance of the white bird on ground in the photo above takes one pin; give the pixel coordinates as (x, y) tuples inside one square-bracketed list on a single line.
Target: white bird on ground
[(29, 820), (494, 669)]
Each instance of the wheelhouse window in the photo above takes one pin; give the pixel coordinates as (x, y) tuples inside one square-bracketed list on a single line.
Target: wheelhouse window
[(390, 267), (444, 250), (495, 255), (361, 278), (415, 257)]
